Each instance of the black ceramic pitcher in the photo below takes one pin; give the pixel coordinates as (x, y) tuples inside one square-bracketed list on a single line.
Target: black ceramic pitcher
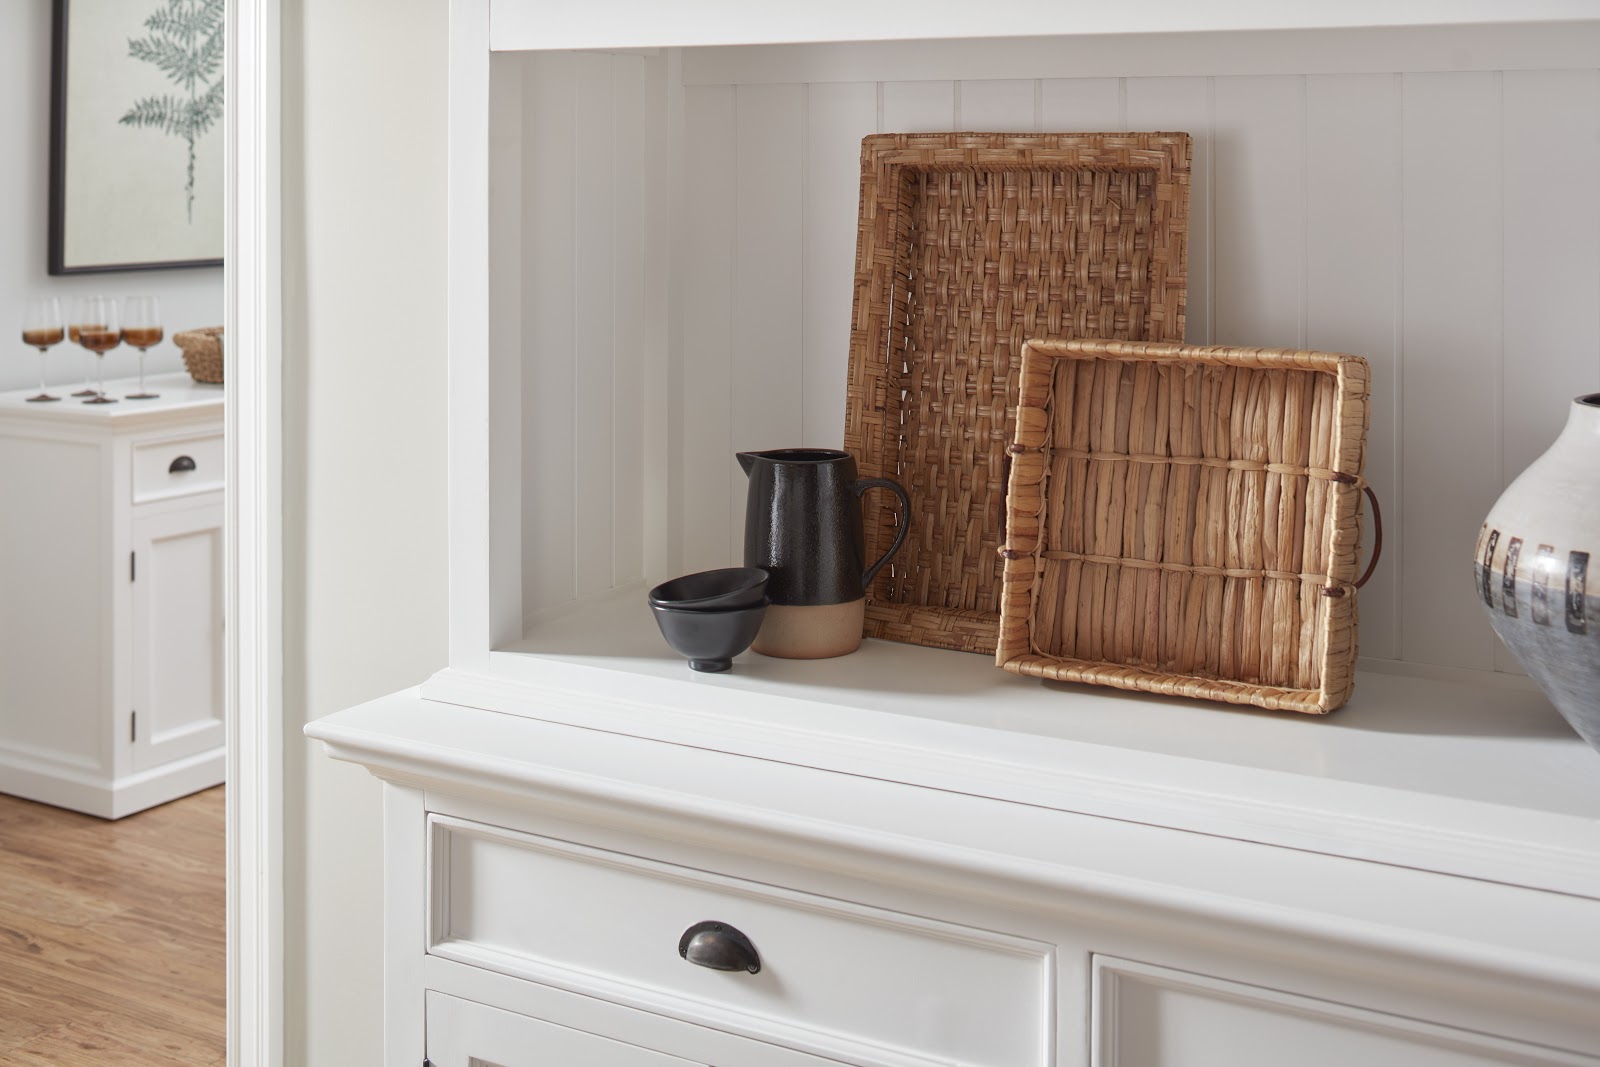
[(802, 522)]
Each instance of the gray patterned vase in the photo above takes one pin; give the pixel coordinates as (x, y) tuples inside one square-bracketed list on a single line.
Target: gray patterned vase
[(1532, 567)]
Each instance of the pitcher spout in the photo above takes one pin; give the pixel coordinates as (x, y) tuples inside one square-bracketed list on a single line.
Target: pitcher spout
[(747, 460)]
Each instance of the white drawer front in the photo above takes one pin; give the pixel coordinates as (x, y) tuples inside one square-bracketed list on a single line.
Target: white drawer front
[(1147, 1016), (464, 1034), (178, 467), (836, 979)]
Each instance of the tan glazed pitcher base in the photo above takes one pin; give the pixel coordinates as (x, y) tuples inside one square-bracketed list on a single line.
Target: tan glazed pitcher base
[(811, 631)]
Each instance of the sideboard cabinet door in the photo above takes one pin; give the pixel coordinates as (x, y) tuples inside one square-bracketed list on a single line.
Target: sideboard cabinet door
[(177, 633), (1151, 1016), (464, 1034)]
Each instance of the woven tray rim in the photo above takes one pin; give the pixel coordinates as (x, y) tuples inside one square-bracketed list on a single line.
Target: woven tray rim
[(1337, 614), (871, 377)]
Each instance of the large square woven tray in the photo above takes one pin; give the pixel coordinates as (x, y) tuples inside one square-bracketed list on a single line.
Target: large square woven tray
[(1187, 520), (968, 244)]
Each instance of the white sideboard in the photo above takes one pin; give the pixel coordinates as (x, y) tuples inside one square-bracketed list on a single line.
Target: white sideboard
[(930, 861), (111, 597)]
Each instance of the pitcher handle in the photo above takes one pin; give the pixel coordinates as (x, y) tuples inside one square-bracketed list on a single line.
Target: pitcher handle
[(905, 521)]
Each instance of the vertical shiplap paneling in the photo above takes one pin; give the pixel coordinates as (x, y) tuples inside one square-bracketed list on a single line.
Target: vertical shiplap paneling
[(548, 358), (628, 314), (838, 115), (768, 383), (592, 313), (918, 107), (506, 422), (1079, 105), (1552, 255), (707, 272), (1450, 365), (1352, 280), (1182, 105), (1552, 262), (1006, 105), (1259, 200), (1360, 213)]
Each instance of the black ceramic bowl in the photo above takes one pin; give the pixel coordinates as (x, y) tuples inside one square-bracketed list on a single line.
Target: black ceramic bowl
[(730, 587), (709, 639)]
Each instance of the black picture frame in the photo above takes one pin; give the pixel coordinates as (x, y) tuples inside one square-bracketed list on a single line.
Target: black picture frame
[(60, 55)]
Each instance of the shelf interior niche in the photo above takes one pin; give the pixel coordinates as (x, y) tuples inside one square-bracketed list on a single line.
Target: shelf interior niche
[(672, 235)]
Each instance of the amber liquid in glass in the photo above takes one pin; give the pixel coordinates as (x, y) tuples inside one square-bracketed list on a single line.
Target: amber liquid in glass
[(143, 336), (43, 338), (98, 339)]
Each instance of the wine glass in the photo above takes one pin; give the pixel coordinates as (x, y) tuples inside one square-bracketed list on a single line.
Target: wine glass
[(95, 328), (43, 328), (141, 328)]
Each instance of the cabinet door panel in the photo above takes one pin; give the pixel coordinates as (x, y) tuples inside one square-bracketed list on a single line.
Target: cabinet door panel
[(464, 1034), (177, 634), (1150, 1016)]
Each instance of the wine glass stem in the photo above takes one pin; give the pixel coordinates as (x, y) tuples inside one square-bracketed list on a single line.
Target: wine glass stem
[(101, 360), (41, 372), (141, 370)]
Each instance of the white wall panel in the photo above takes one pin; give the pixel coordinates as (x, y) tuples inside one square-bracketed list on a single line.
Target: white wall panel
[(594, 226), (628, 322), (1182, 104), (838, 115), (1352, 284), (547, 331), (1069, 105), (708, 263), (1258, 200), (768, 385), (918, 107), (1450, 369), (1008, 105)]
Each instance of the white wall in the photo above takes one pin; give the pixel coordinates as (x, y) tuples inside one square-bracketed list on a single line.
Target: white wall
[(189, 298), (364, 403)]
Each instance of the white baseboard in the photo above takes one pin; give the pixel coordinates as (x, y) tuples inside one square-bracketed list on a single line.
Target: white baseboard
[(113, 799)]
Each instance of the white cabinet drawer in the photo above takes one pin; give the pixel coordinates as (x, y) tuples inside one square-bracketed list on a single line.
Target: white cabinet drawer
[(464, 1034), (1149, 1016), (177, 467), (836, 979)]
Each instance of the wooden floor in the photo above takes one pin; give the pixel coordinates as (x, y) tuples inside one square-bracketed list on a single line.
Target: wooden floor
[(111, 936)]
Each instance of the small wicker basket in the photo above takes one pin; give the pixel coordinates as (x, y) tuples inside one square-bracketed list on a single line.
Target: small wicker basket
[(1186, 520), (202, 353)]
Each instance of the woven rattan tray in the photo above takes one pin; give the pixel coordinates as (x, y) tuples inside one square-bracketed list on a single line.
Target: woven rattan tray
[(1187, 521), (968, 244)]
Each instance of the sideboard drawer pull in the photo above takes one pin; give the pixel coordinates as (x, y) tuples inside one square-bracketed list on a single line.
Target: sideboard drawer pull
[(182, 463), (720, 947)]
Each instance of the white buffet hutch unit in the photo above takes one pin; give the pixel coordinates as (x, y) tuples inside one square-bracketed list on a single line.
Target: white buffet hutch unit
[(935, 862), (111, 608)]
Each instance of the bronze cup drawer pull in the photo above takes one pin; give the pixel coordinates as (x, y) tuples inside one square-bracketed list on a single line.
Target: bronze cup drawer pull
[(182, 463), (720, 947)]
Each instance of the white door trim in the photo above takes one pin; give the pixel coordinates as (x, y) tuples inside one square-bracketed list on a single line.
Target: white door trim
[(254, 538)]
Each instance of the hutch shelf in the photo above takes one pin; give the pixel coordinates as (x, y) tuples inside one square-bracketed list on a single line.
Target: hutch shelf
[(652, 217)]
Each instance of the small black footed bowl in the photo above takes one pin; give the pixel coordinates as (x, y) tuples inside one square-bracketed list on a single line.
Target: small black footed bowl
[(709, 639), (729, 587)]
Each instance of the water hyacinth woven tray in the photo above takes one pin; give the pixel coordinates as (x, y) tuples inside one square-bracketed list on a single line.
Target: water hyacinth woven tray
[(1186, 520), (967, 245)]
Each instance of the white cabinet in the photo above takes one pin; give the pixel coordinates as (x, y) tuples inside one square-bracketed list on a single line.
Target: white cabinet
[(177, 632), (464, 1034), (1158, 1017), (940, 863), (111, 685)]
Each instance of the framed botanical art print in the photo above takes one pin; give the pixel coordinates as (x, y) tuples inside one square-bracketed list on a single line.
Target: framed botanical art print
[(136, 146)]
